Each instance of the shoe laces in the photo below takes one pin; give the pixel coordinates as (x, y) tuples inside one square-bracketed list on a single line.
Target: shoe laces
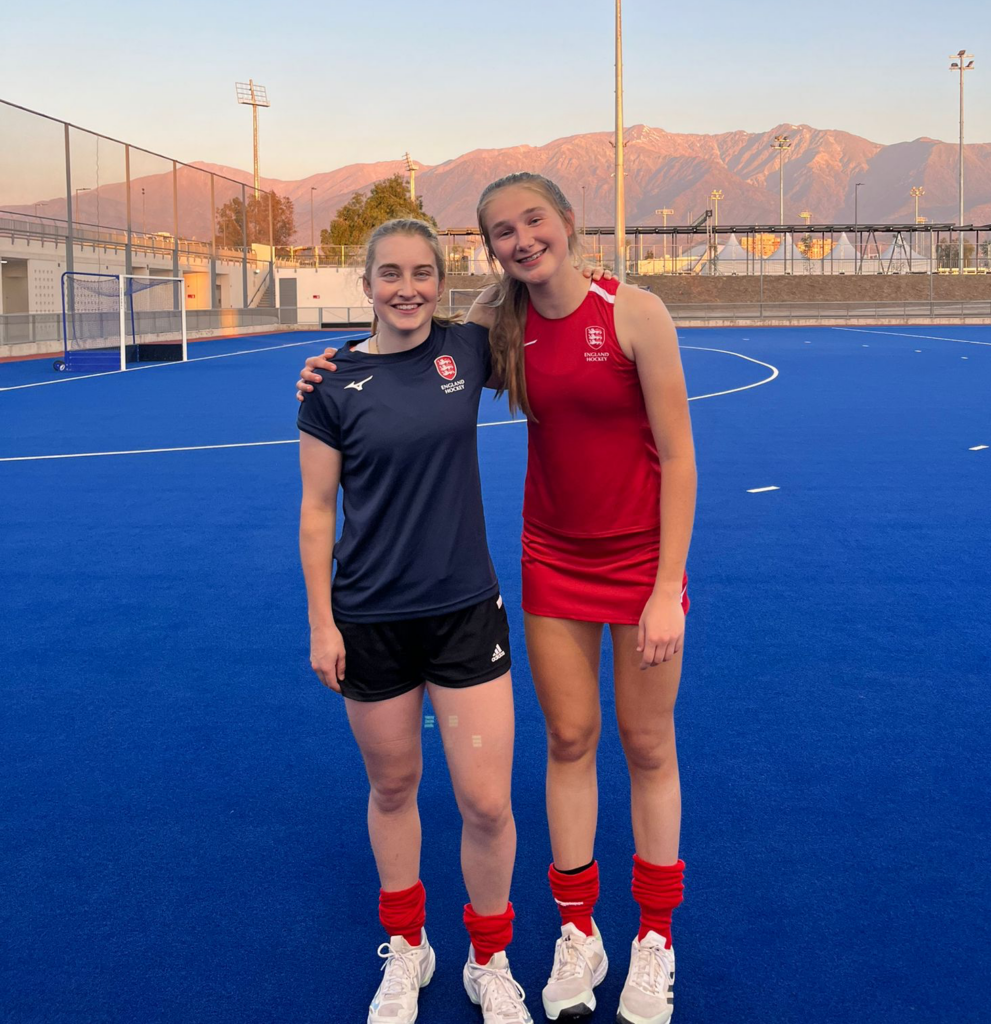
[(651, 971), (501, 993), (569, 959), (400, 971)]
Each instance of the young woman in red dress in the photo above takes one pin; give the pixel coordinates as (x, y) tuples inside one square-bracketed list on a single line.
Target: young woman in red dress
[(608, 510)]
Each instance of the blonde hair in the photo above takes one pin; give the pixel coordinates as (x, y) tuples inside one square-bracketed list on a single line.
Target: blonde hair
[(511, 299), (414, 228)]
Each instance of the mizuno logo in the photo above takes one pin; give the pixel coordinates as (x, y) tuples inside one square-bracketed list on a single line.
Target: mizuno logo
[(498, 653), (358, 384)]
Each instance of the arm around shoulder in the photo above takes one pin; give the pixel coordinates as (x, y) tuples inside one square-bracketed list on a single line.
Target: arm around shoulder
[(481, 311)]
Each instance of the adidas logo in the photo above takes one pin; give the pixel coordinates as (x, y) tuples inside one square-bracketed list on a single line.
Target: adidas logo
[(498, 653)]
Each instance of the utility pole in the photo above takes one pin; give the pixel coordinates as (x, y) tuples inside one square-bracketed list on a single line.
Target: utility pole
[(412, 168)]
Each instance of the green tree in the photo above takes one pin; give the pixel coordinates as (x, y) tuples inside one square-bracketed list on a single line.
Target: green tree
[(361, 214), (948, 254), (230, 221)]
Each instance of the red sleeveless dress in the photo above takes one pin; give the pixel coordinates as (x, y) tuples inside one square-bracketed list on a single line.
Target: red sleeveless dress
[(591, 506)]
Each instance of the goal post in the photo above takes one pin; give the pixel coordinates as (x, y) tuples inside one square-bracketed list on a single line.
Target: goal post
[(110, 320)]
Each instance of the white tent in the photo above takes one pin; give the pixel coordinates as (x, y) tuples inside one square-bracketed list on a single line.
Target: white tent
[(732, 259)]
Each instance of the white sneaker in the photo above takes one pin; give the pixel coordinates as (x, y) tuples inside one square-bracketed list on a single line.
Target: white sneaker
[(648, 995), (407, 969), (580, 963), (495, 990)]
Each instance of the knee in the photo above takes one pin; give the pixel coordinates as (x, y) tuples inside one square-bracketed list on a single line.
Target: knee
[(650, 751), (487, 813), (572, 742), (392, 791)]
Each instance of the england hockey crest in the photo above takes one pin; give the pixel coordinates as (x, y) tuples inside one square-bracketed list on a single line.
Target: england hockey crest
[(595, 336), (446, 367)]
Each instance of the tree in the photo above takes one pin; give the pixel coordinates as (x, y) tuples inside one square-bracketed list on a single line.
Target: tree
[(948, 254), (361, 215), (230, 221)]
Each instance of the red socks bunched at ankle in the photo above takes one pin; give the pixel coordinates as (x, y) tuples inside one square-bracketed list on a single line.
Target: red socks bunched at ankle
[(575, 895), (658, 890), (404, 912), (489, 933)]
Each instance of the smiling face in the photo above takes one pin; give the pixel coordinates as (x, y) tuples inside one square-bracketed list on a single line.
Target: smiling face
[(404, 283), (527, 235)]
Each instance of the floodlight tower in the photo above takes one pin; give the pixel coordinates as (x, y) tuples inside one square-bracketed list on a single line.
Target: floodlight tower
[(781, 144), (412, 168), (715, 195), (251, 95), (915, 192), (959, 65), (806, 215)]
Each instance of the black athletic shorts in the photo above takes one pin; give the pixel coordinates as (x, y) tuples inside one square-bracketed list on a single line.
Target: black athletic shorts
[(456, 649)]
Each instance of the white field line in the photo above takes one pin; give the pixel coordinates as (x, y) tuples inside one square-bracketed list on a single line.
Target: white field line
[(157, 366), (760, 490), (903, 334), (146, 451), (258, 444)]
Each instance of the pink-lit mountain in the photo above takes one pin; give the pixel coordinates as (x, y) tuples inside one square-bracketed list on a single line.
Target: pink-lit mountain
[(662, 170)]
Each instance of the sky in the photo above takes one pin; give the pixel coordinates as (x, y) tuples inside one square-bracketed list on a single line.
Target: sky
[(357, 82)]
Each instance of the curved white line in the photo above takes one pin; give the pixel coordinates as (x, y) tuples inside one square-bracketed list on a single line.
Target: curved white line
[(746, 387), (260, 444), (156, 366)]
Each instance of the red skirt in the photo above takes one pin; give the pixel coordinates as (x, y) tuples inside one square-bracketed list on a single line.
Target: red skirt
[(591, 579)]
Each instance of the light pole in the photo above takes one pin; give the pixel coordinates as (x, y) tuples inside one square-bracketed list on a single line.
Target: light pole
[(915, 193), (856, 228), (411, 167), (664, 212), (583, 217), (254, 96), (715, 195), (36, 205), (620, 243), (313, 244), (781, 144), (806, 216), (958, 65)]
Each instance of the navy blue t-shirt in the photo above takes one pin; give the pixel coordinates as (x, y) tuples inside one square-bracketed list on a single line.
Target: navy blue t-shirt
[(413, 542)]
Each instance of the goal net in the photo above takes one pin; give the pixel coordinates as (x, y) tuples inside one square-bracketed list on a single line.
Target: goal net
[(110, 320)]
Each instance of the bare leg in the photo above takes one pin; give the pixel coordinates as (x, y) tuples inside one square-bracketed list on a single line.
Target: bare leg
[(645, 712), (564, 658), (477, 728), (388, 734)]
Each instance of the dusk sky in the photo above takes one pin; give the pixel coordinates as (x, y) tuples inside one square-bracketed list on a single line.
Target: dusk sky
[(355, 82)]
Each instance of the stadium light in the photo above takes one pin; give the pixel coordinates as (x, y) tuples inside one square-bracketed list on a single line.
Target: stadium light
[(781, 144), (806, 216), (251, 95), (915, 193), (412, 168), (715, 195), (958, 65), (76, 207)]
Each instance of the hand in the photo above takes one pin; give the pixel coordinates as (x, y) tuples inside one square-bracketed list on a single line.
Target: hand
[(662, 629), (327, 655), (308, 374), (595, 273)]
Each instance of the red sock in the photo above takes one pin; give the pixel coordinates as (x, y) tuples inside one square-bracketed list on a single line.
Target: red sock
[(404, 912), (489, 933), (658, 890), (575, 895)]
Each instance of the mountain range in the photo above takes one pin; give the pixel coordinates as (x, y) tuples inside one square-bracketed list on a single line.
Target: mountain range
[(663, 170)]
